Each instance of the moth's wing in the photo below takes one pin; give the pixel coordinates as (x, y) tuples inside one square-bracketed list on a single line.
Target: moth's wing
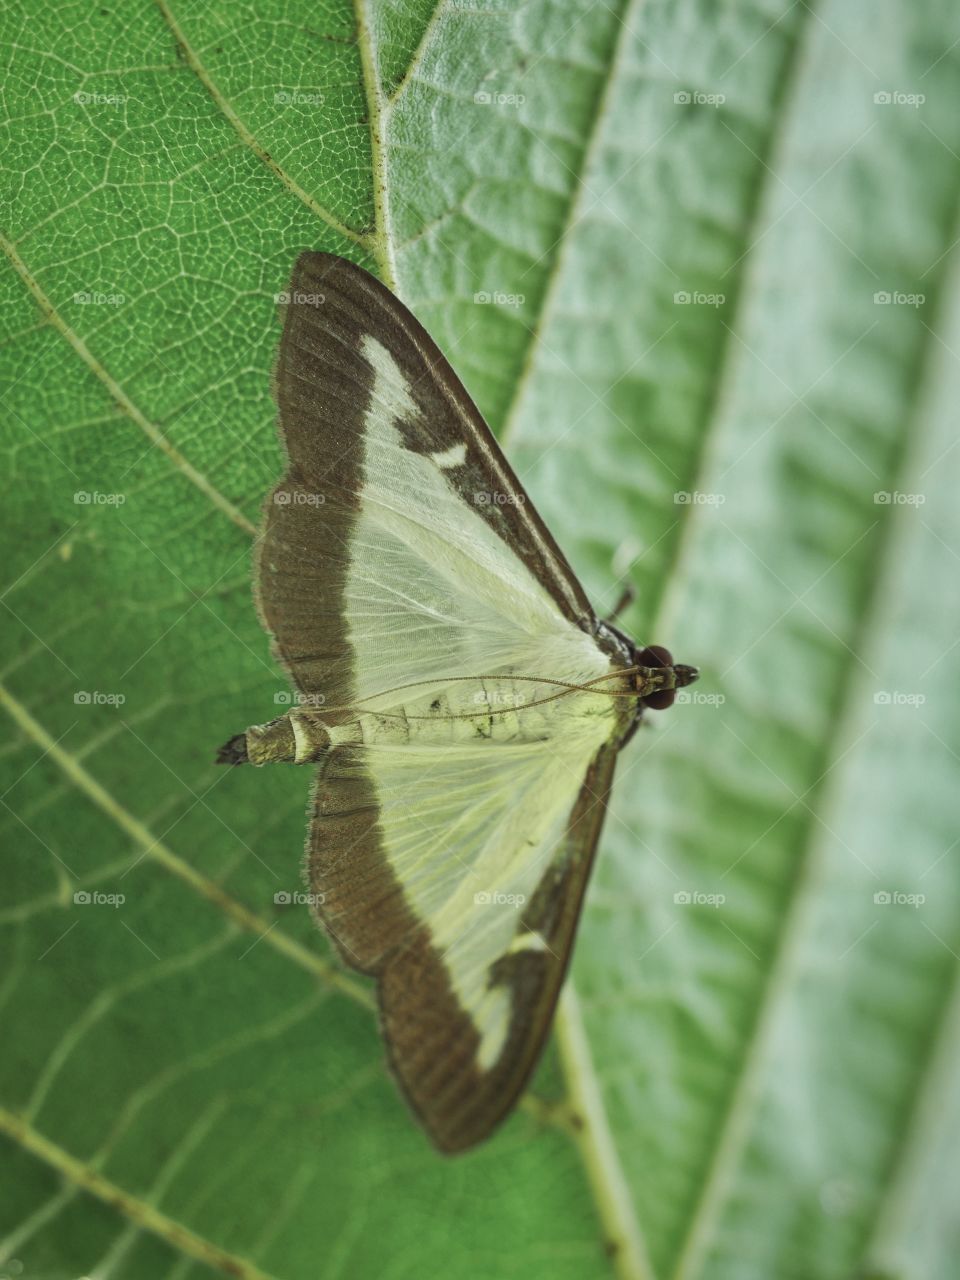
[(456, 876), (400, 546)]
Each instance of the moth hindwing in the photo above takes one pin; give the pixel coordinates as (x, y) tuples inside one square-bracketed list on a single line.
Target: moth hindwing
[(462, 703)]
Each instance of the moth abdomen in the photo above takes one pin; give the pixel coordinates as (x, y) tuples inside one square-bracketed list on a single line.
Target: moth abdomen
[(299, 737), (234, 751)]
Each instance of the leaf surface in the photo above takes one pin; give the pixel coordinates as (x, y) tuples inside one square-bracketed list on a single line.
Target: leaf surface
[(655, 241)]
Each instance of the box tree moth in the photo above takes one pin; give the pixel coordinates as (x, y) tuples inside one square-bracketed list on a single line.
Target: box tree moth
[(458, 697)]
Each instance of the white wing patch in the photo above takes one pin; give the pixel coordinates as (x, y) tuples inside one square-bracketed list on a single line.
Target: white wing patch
[(528, 942), (455, 456)]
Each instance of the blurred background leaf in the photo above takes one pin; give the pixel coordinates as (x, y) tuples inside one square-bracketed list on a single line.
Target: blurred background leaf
[(697, 264)]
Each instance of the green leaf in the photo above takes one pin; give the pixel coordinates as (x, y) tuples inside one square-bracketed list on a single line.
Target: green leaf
[(756, 1074)]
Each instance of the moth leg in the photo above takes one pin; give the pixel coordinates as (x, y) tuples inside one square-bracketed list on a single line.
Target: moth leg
[(627, 597)]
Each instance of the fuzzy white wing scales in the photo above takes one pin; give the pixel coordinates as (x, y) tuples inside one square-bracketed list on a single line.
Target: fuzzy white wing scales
[(470, 833), (432, 592)]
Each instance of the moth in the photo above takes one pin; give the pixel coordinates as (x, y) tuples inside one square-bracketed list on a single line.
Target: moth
[(460, 701)]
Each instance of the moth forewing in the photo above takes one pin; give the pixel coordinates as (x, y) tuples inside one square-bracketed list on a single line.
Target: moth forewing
[(464, 704)]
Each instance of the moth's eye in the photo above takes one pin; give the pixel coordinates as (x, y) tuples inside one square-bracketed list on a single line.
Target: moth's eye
[(655, 655)]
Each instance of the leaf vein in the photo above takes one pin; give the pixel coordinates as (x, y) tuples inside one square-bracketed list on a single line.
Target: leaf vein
[(138, 1211), (192, 59), (150, 429)]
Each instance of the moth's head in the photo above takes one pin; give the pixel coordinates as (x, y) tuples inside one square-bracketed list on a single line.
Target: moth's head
[(658, 677)]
